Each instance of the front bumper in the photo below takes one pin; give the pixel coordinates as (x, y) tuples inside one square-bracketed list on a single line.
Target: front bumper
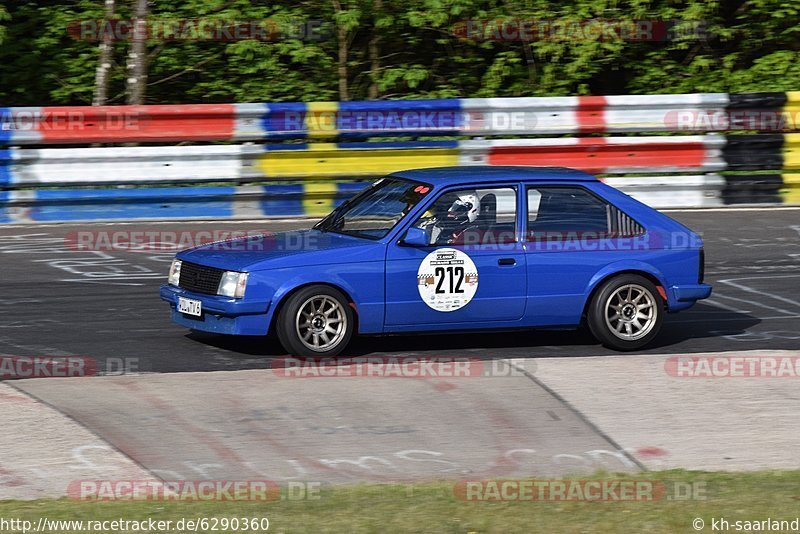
[(221, 315), (685, 296)]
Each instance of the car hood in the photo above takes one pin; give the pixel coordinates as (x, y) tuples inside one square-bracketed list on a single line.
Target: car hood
[(283, 249)]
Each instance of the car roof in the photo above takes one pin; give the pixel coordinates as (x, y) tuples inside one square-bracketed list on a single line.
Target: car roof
[(474, 174)]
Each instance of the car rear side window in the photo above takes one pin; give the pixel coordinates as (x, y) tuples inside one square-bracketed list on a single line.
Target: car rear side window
[(556, 213)]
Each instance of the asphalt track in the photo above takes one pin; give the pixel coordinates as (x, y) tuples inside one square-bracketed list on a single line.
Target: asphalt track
[(105, 303), (176, 420)]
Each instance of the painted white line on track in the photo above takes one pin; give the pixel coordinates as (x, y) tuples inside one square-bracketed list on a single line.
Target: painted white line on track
[(731, 209), (755, 303), (157, 221), (109, 222), (734, 319)]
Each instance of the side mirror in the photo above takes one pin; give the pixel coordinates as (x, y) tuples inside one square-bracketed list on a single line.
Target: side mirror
[(416, 237)]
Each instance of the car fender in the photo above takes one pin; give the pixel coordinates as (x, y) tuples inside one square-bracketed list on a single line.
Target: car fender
[(326, 277), (623, 266), (304, 280)]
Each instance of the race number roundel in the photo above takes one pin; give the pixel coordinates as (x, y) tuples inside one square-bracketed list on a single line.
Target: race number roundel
[(447, 279)]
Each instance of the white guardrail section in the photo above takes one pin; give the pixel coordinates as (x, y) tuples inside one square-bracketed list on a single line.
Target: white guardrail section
[(126, 165), (559, 115), (700, 191)]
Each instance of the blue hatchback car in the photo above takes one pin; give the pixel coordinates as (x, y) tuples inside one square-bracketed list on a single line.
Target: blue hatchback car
[(450, 249)]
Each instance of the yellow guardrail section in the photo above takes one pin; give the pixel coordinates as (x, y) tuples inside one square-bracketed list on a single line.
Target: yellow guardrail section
[(791, 151), (329, 159), (790, 192)]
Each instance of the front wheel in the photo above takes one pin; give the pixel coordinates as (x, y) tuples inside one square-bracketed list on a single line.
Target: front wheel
[(626, 313), (315, 321)]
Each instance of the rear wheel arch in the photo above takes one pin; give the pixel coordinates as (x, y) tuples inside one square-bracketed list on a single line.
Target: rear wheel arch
[(602, 281), (626, 299)]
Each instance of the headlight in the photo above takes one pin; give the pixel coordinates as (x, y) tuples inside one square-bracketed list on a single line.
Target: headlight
[(175, 273), (232, 284)]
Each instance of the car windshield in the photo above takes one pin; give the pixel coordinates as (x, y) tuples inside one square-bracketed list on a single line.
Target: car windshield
[(375, 211)]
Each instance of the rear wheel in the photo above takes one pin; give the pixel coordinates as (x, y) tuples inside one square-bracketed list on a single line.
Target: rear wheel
[(315, 321), (626, 313)]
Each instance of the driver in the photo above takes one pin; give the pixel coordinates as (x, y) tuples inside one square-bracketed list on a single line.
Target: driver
[(451, 217), (463, 216)]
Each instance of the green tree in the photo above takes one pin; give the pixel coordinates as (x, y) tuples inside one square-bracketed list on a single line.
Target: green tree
[(403, 49)]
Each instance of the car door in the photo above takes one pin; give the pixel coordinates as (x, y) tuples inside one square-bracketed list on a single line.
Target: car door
[(471, 272), (570, 235)]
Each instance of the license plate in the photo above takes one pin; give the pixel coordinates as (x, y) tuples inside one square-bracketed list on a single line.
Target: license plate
[(190, 307)]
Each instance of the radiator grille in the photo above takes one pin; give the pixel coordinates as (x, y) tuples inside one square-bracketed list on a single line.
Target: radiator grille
[(200, 278)]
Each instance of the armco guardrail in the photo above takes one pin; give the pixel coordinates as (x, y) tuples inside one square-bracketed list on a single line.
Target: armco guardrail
[(713, 164), (247, 163), (316, 198), (307, 199), (466, 116)]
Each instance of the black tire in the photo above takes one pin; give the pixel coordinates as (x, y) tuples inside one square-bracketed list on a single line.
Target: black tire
[(292, 325), (619, 313)]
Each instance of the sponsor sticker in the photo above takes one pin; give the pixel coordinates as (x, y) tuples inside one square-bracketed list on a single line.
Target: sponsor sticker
[(447, 279)]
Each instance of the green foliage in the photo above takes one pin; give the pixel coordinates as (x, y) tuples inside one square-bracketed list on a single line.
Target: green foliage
[(751, 45), (436, 507), (4, 16)]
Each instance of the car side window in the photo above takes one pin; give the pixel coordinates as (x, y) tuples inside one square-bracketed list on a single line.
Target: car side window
[(557, 213), (471, 217)]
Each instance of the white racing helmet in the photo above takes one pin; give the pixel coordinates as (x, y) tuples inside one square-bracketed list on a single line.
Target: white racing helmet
[(465, 208)]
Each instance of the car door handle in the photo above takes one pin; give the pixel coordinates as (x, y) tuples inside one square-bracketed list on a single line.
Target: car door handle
[(506, 261)]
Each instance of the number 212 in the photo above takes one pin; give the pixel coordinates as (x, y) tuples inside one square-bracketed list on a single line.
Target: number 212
[(452, 273)]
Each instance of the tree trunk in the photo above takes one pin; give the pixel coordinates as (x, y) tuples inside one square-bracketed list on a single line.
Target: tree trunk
[(341, 37), (375, 51), (136, 84), (104, 61)]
